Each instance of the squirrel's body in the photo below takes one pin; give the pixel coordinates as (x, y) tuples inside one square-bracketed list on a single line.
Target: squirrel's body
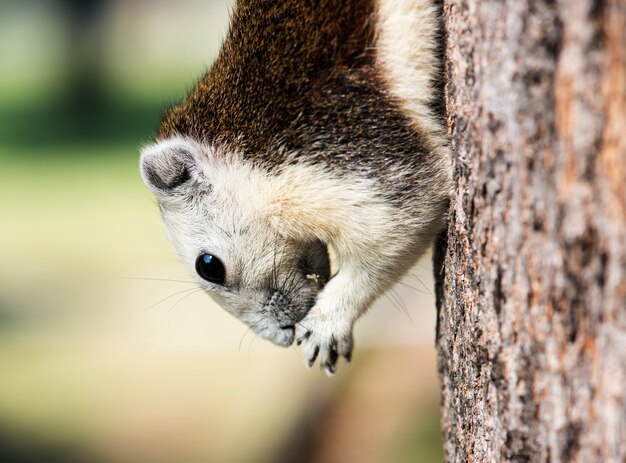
[(315, 126)]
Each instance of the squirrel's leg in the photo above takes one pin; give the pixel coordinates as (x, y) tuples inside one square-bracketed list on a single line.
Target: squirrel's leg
[(326, 332)]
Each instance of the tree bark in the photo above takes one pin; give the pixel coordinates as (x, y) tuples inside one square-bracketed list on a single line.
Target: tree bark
[(532, 303)]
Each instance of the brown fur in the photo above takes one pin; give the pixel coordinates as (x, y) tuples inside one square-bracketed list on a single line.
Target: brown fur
[(300, 77), (275, 52)]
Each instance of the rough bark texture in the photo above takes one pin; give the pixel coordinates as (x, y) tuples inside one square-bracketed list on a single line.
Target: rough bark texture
[(532, 322)]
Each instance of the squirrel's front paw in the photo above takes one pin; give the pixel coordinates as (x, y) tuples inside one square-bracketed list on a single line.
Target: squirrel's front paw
[(326, 338)]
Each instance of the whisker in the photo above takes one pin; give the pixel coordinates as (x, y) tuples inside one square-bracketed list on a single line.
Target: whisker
[(250, 328), (158, 279), (170, 296), (184, 297), (398, 304), (295, 349), (256, 336), (306, 327), (292, 277), (419, 280), (285, 285), (401, 304), (412, 287), (298, 287), (242, 338), (274, 269)]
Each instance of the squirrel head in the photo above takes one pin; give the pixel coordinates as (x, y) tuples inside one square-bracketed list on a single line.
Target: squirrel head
[(218, 212)]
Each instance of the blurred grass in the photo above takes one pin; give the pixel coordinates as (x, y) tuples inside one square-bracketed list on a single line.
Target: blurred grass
[(82, 206), (43, 128), (422, 437), (88, 374)]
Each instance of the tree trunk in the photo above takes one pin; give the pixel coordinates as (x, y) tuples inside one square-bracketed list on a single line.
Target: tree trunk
[(532, 309)]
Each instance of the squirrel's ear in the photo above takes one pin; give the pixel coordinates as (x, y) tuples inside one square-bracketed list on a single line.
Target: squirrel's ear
[(167, 164)]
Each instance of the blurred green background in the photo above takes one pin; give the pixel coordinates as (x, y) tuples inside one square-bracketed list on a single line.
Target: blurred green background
[(107, 352)]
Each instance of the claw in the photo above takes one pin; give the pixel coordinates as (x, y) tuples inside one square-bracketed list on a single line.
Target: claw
[(324, 345), (311, 361), (331, 364), (333, 356), (303, 337)]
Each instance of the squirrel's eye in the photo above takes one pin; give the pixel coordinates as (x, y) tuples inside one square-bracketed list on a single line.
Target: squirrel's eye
[(211, 269)]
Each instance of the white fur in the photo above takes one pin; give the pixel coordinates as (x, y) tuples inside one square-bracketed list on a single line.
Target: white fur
[(406, 46), (375, 242)]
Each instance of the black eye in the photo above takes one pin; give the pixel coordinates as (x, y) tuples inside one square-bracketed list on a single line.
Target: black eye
[(211, 269)]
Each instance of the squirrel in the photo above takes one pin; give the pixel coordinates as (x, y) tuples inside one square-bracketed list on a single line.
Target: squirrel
[(317, 132)]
